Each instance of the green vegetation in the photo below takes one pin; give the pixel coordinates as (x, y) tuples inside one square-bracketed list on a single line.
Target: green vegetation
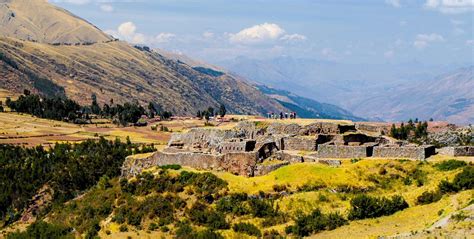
[(66, 169), (305, 225), (410, 131), (429, 197), (43, 230), (61, 108), (462, 181), (363, 206), (247, 228), (451, 164)]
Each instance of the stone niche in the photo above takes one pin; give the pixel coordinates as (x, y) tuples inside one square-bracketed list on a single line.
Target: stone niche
[(344, 151), (408, 152), (237, 145)]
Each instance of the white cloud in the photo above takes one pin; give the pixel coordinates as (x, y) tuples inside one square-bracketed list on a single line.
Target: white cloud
[(450, 6), (258, 34), (389, 54), (127, 29), (106, 8), (208, 34), (394, 3), (293, 38), (423, 40), (470, 42), (164, 37)]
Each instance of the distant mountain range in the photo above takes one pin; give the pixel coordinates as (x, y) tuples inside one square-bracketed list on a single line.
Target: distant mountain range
[(375, 91), (50, 51)]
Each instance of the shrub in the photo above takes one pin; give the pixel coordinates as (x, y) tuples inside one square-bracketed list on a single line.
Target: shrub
[(234, 203), (429, 197), (202, 215), (272, 234), (261, 208), (363, 206), (315, 222), (279, 188), (450, 165), (123, 228), (42, 230), (355, 160), (171, 166), (247, 228), (462, 181)]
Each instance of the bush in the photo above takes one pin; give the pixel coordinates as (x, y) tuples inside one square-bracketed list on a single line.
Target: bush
[(123, 228), (204, 216), (363, 206), (261, 208), (315, 222), (429, 197), (272, 234), (462, 181), (42, 230), (234, 203), (171, 166), (247, 228), (450, 165)]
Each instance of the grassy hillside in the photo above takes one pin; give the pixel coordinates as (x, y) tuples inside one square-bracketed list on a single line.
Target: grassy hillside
[(283, 196)]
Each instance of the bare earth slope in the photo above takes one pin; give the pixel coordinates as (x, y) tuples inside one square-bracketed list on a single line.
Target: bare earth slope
[(37, 20)]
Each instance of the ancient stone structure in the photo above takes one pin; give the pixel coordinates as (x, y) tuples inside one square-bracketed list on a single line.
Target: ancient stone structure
[(257, 148), (407, 152), (344, 151), (305, 143), (467, 151)]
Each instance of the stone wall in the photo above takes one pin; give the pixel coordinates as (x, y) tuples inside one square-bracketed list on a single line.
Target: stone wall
[(381, 128), (409, 152), (202, 138), (343, 151), (458, 151), (237, 163), (237, 146), (263, 169), (291, 158), (300, 143)]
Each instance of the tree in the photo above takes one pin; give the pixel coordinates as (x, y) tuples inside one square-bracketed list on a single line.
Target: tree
[(210, 110), (95, 108), (199, 114), (222, 110), (151, 110)]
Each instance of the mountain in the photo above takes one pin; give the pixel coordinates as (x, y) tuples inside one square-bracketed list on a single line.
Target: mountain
[(110, 69), (448, 97), (36, 20), (308, 108), (359, 88)]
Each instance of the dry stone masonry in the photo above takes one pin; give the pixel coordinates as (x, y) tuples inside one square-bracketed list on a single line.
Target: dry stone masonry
[(257, 148)]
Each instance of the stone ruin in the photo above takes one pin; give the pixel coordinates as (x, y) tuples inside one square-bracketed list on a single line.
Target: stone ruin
[(253, 148)]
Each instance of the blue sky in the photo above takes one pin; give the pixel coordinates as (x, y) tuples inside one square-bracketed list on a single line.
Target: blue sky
[(352, 31)]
